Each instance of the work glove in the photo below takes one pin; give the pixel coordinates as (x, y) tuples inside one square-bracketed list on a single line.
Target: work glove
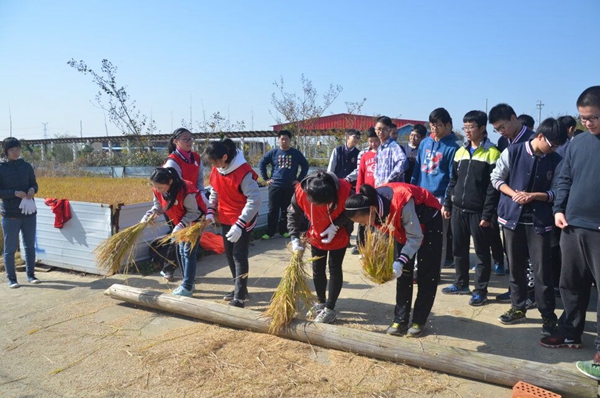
[(148, 217), (235, 233), (399, 265), (23, 206), (329, 234), (210, 218), (176, 229), (297, 245)]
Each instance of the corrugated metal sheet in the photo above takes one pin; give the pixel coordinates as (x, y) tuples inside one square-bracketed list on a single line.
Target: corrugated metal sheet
[(342, 121), (72, 246)]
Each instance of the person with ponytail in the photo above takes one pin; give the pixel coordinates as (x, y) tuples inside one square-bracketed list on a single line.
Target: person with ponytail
[(417, 220), (320, 197), (188, 165), (180, 202), (235, 200)]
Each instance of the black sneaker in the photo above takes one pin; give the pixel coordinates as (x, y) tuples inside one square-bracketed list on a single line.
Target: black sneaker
[(33, 280), (229, 296), (478, 300), (397, 329), (512, 316), (549, 326), (237, 303), (504, 297), (13, 284), (355, 250), (560, 341)]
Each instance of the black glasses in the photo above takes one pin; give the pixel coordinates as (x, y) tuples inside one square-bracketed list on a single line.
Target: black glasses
[(591, 119)]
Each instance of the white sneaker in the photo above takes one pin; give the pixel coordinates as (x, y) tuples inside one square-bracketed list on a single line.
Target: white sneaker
[(325, 316), (314, 311)]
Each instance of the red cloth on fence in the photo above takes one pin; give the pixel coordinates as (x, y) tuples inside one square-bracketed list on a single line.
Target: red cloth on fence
[(61, 209)]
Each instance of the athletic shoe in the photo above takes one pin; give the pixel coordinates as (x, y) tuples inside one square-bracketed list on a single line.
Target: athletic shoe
[(182, 291), (13, 284), (560, 341), (266, 237), (504, 297), (453, 289), (326, 315), (314, 311), (355, 250), (478, 300), (33, 280), (167, 275), (231, 295), (499, 269), (590, 368), (415, 330), (549, 327), (236, 303), (397, 329), (285, 235), (512, 316)]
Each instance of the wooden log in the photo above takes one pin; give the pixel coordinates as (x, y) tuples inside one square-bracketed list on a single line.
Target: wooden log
[(489, 368)]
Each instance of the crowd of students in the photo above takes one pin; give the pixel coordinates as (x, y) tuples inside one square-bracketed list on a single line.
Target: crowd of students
[(534, 188)]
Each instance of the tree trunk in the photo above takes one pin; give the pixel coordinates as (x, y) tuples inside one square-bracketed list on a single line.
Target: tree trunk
[(456, 361)]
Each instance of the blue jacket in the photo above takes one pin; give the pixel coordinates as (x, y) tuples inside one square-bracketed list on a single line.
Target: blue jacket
[(522, 170), (15, 175), (433, 166), (284, 166)]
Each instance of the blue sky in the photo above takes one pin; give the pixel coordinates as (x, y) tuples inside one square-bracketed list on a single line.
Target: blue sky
[(405, 57)]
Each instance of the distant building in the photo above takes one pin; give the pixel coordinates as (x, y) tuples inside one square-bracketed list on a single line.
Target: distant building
[(344, 121)]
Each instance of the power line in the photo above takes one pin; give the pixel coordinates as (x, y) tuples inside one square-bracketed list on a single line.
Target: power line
[(539, 105)]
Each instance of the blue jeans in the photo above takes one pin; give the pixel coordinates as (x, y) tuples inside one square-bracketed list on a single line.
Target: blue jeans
[(187, 259), (11, 228)]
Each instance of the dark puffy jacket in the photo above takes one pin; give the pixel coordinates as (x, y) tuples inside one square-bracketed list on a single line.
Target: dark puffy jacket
[(15, 175)]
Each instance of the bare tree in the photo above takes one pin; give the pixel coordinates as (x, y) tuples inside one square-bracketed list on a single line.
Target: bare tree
[(115, 100), (299, 112)]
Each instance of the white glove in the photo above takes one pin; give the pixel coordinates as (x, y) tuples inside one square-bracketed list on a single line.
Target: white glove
[(27, 206), (210, 219), (329, 234), (399, 265), (297, 245), (234, 234), (22, 206), (33, 206), (149, 216)]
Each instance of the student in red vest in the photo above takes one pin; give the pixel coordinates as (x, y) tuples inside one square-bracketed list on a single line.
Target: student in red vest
[(188, 165), (235, 199), (180, 202), (320, 197), (417, 220)]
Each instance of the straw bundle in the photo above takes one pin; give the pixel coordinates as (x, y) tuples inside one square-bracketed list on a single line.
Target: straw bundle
[(189, 234), (292, 290), (378, 253), (120, 247)]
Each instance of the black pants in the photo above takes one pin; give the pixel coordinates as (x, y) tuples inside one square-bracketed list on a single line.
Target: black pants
[(336, 276), (521, 244), (428, 276), (580, 249), (556, 255), (279, 200), (237, 259), (464, 225), (360, 235), (496, 242)]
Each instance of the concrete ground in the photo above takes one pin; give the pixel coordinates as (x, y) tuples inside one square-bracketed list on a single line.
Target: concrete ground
[(361, 305)]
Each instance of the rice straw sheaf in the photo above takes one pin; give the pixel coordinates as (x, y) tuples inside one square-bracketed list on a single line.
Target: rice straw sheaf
[(120, 248), (293, 289), (378, 253), (189, 234)]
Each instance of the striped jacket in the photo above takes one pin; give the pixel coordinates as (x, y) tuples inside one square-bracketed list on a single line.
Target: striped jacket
[(470, 188)]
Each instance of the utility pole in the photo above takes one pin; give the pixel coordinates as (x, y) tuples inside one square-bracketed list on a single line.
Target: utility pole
[(45, 130), (81, 128), (10, 119), (539, 105)]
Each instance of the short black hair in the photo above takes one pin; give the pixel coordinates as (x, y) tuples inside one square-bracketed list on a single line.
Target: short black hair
[(568, 121), (501, 112), (440, 115), (284, 132), (371, 132), (590, 97), (8, 143), (354, 132), (526, 121), (478, 117), (385, 120), (419, 129), (554, 131)]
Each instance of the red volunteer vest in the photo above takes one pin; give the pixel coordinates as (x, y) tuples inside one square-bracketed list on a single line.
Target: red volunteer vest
[(231, 200), (402, 194), (366, 171), (177, 211), (189, 171), (320, 219)]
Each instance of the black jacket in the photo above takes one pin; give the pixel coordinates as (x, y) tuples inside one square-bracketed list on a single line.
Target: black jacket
[(15, 175)]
